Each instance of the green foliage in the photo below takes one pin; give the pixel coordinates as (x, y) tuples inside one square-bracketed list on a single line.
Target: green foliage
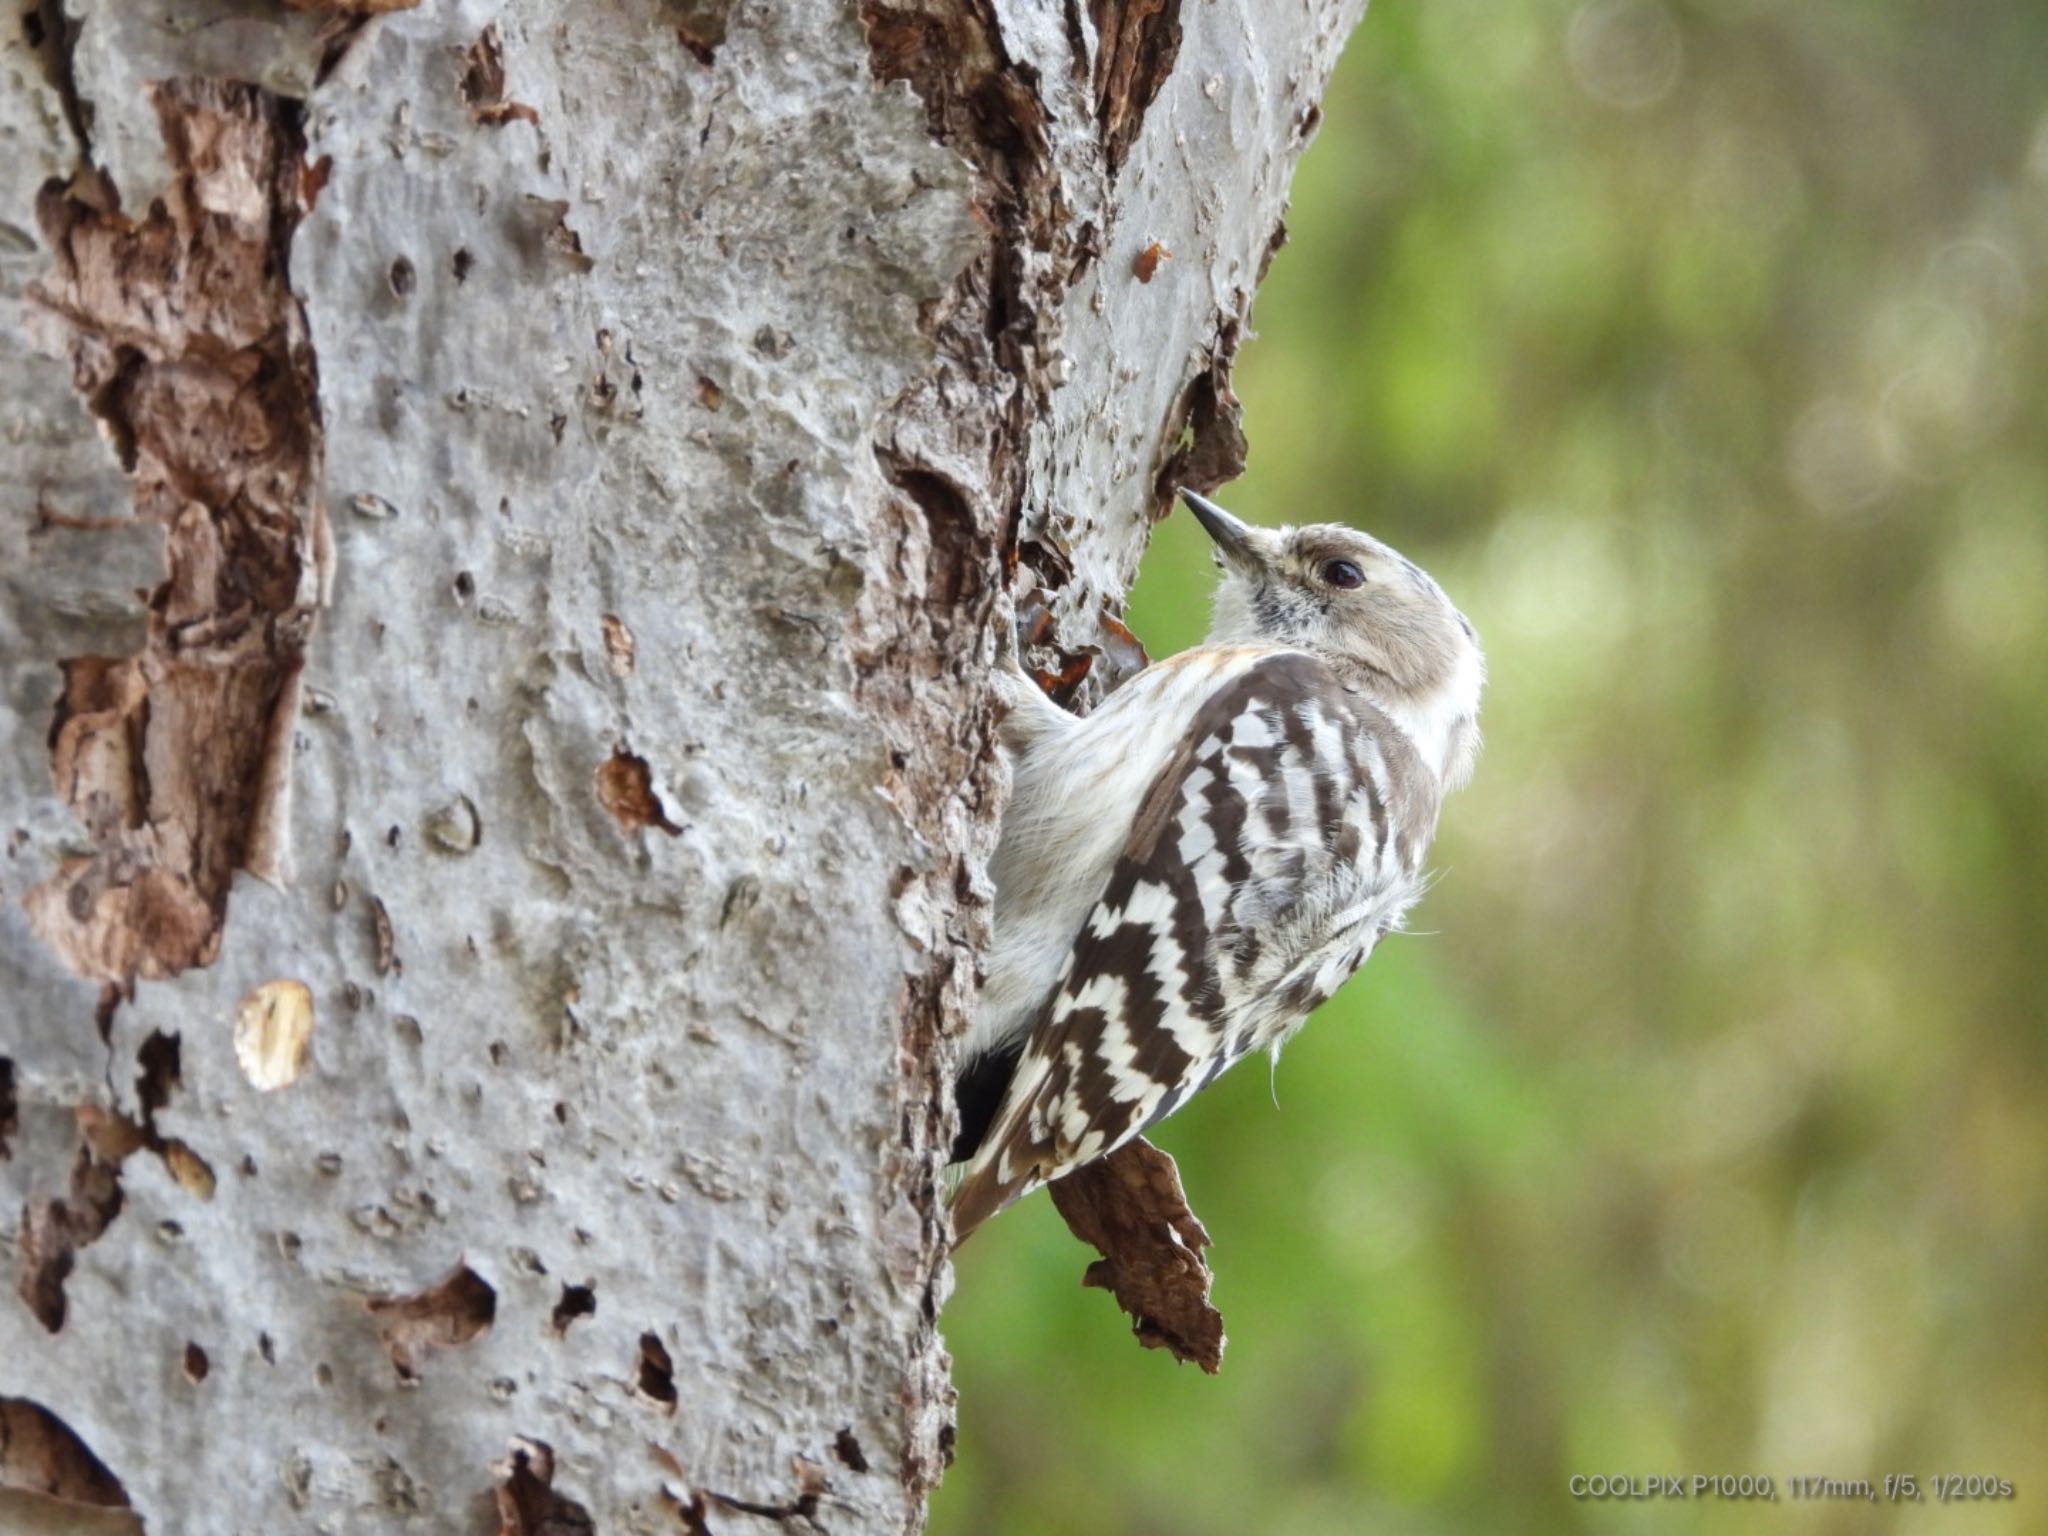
[(1698, 348)]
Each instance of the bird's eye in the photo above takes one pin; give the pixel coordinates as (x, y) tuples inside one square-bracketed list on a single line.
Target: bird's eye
[(1343, 573)]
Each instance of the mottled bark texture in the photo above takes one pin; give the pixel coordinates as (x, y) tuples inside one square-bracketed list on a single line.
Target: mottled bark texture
[(506, 516)]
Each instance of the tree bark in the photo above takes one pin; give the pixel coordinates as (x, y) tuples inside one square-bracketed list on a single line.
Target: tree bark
[(507, 511)]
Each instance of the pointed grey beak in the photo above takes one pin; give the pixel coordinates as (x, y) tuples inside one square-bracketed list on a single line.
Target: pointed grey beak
[(1232, 536)]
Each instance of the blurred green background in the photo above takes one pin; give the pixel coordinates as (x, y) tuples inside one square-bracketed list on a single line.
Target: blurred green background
[(1703, 1126)]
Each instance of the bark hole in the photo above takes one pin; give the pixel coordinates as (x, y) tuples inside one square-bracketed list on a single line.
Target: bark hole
[(456, 1310), (483, 84), (848, 1450), (701, 28), (576, 1301), (657, 1372), (162, 1071)]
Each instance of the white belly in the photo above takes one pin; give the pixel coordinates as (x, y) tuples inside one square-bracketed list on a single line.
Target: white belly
[(1073, 797)]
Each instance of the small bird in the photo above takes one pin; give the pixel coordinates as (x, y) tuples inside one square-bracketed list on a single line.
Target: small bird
[(1186, 873)]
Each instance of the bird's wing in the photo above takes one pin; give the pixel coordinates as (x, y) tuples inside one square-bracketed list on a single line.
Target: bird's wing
[(1257, 854)]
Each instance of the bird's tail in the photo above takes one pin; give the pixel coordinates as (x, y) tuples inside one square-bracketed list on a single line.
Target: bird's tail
[(984, 1191)]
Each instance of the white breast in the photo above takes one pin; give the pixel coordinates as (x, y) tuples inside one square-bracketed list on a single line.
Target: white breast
[(1074, 794)]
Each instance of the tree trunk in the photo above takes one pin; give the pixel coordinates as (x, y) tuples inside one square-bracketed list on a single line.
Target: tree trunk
[(507, 509)]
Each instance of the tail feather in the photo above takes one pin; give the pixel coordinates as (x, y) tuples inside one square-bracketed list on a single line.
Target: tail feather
[(984, 1192)]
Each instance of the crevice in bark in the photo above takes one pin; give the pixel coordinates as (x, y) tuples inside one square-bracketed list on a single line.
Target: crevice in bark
[(656, 1372), (528, 1502), (813, 1484), (955, 446), (161, 1061), (847, 1448), (1206, 428), (186, 342), (700, 27), (41, 1454), (985, 106), (55, 1228), (1137, 42), (10, 1107), (55, 36)]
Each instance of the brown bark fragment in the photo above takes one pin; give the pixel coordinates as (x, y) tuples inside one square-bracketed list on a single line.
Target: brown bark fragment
[(1137, 42), (39, 1453), (1130, 1208), (625, 787), (185, 340), (483, 84), (55, 1228), (1209, 428)]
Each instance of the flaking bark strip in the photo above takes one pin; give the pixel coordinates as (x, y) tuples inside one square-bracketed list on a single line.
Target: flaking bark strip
[(1137, 42), (1206, 430), (1129, 1207), (955, 446), (186, 342)]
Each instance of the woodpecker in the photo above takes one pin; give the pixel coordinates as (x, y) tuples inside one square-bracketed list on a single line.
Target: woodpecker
[(1188, 872)]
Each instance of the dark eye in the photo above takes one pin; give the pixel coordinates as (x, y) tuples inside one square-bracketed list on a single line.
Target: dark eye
[(1342, 573)]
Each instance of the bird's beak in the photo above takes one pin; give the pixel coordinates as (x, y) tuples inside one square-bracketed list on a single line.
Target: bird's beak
[(1235, 539)]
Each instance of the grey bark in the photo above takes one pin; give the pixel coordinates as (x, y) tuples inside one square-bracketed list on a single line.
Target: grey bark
[(506, 509)]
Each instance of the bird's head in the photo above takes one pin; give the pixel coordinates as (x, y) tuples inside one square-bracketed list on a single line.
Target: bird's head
[(1364, 609)]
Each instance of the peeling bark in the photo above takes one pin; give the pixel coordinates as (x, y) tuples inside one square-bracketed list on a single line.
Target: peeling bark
[(1138, 40), (1129, 1207), (40, 1455), (698, 389), (187, 345)]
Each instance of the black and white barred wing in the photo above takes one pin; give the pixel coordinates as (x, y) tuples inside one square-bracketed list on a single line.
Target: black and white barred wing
[(1260, 870)]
